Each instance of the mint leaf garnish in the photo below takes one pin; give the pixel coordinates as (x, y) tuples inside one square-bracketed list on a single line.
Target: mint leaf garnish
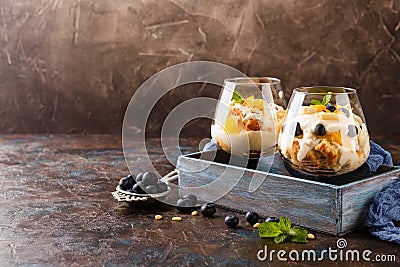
[(299, 236), (284, 224), (315, 102), (237, 97), (280, 238), (269, 229), (282, 231), (326, 99)]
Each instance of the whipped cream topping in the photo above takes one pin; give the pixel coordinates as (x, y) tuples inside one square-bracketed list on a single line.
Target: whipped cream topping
[(267, 118)]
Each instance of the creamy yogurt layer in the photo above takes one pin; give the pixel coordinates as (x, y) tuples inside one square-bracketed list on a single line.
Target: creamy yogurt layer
[(242, 143)]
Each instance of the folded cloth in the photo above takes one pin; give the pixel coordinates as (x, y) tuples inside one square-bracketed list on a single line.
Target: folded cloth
[(377, 157), (384, 214)]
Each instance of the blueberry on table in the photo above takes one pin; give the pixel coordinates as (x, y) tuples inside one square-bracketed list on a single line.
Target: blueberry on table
[(299, 131), (192, 198), (139, 177), (161, 187), (330, 107), (320, 130), (231, 221), (184, 205), (151, 189), (184, 202), (252, 217), (271, 219), (352, 131), (208, 210), (150, 178), (127, 182)]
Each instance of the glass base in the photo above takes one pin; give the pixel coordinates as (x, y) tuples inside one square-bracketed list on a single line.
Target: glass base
[(314, 173)]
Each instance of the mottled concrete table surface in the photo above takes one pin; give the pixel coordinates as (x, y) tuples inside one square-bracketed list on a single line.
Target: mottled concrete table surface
[(56, 210)]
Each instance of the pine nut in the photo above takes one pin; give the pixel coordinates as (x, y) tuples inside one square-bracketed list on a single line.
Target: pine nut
[(177, 219), (195, 213), (158, 217)]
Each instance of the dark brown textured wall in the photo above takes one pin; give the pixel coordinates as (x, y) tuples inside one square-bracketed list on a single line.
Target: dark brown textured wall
[(72, 66)]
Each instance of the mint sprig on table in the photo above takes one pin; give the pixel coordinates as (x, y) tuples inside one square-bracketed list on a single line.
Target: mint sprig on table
[(325, 100), (282, 231), (237, 97)]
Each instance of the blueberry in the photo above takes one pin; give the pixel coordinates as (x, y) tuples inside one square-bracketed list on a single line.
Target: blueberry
[(320, 130), (127, 182), (138, 188), (192, 198), (299, 131), (210, 204), (151, 189), (208, 210), (352, 131), (161, 187), (231, 221), (184, 202), (345, 111), (150, 178), (330, 107), (271, 219), (252, 217), (141, 184), (184, 205), (139, 177)]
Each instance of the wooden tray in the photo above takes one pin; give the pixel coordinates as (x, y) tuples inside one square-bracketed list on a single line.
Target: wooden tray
[(335, 205)]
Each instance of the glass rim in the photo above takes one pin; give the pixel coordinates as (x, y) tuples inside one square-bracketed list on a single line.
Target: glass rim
[(251, 80), (347, 90)]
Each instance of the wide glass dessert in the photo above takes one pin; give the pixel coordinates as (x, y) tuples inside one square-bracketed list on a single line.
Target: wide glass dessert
[(247, 117), (324, 131)]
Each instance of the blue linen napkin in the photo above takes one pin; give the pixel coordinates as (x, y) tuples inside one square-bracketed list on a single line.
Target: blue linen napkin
[(384, 214), (377, 157)]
